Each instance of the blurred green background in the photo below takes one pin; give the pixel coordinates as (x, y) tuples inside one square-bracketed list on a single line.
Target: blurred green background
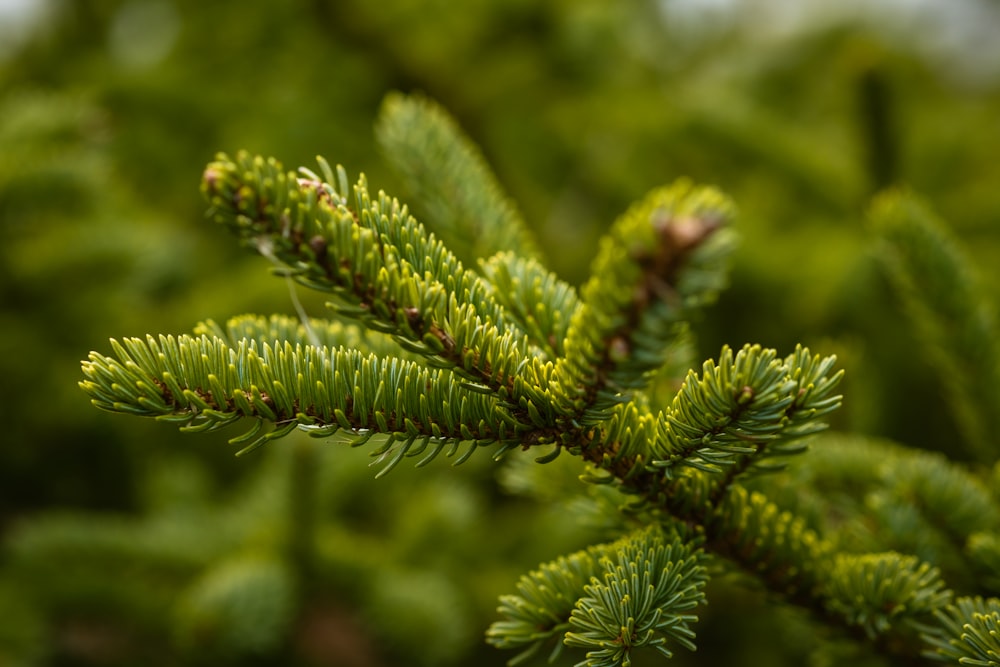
[(124, 542)]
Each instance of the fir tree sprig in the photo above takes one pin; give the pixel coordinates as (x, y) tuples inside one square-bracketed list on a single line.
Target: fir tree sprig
[(868, 494), (749, 407), (661, 260), (512, 356), (535, 298), (643, 600), (733, 421), (385, 269), (449, 180), (950, 311), (754, 536), (879, 591), (610, 599), (970, 633), (205, 384), (538, 613), (378, 257)]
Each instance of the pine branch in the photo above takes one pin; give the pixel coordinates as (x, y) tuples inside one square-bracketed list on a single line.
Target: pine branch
[(389, 274), (949, 309), (756, 536), (448, 179), (888, 601), (949, 507), (880, 592), (535, 298), (794, 563), (386, 270), (661, 260), (634, 593), (539, 613), (747, 409), (205, 384), (644, 600), (513, 356), (731, 422), (970, 633)]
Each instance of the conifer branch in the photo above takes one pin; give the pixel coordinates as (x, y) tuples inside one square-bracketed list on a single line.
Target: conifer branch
[(969, 633), (447, 178), (204, 384), (634, 593), (949, 309), (537, 377), (916, 500), (538, 614), (793, 562), (643, 600), (661, 260), (385, 269), (733, 421), (748, 530), (513, 356), (878, 592), (534, 297), (747, 409)]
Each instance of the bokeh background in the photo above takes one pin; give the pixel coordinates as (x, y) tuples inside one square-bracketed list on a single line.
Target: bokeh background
[(123, 542)]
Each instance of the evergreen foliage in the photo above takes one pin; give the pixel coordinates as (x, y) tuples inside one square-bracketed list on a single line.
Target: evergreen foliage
[(444, 358), (118, 539), (950, 311)]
